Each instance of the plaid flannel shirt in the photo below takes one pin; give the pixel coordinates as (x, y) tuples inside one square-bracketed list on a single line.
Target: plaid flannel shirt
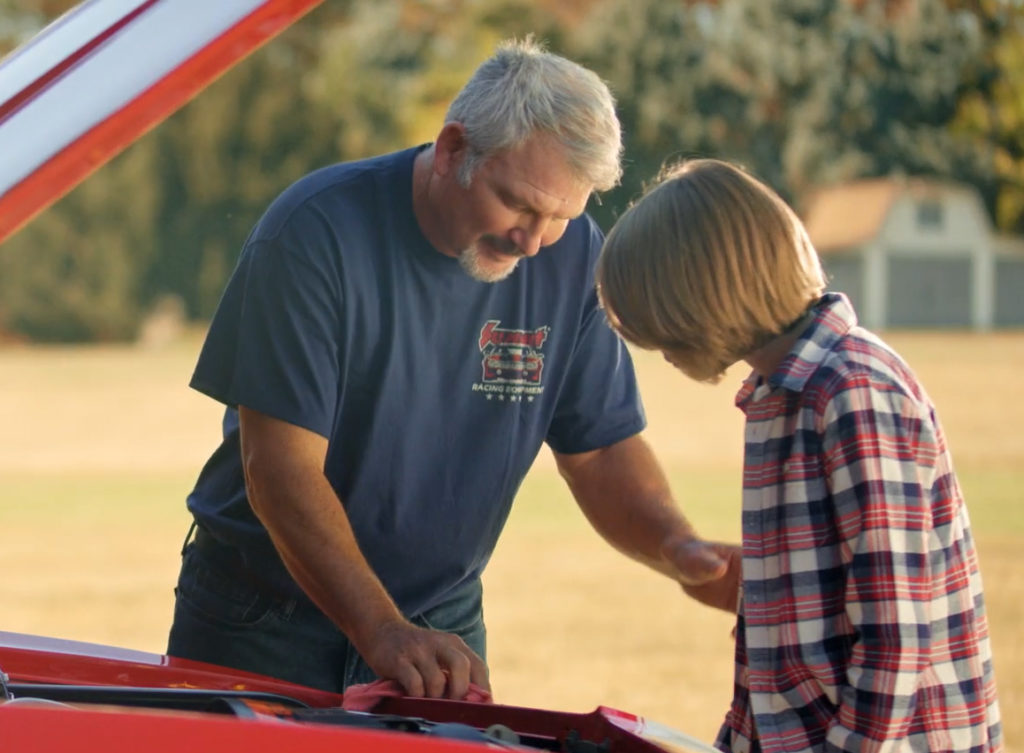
[(862, 623)]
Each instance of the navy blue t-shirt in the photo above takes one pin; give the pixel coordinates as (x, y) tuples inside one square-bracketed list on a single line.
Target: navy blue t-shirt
[(434, 390)]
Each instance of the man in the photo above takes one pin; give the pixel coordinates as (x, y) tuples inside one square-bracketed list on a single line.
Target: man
[(399, 338)]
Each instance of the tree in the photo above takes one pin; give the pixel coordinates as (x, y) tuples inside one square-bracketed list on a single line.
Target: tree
[(169, 214), (75, 275), (992, 111), (353, 78), (21, 19), (222, 159), (803, 92)]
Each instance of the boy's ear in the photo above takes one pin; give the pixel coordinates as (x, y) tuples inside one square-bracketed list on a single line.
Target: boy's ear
[(450, 148)]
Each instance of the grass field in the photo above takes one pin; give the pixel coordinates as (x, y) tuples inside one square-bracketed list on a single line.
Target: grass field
[(98, 447)]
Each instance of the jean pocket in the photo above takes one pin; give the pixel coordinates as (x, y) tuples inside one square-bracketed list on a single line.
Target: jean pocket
[(219, 598)]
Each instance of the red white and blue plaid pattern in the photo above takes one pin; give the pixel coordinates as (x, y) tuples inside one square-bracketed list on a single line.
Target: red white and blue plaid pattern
[(862, 623)]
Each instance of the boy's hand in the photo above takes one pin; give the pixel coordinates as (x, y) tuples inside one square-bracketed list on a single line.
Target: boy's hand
[(709, 571)]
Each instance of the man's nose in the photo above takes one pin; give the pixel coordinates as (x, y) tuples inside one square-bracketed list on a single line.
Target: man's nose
[(533, 237), (528, 239)]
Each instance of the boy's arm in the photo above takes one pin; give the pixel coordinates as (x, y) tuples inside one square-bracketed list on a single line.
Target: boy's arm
[(880, 449)]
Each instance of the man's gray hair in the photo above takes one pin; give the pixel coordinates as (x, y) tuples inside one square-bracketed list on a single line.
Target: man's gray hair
[(523, 90)]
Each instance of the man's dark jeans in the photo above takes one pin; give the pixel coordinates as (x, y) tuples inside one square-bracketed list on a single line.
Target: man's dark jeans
[(221, 620)]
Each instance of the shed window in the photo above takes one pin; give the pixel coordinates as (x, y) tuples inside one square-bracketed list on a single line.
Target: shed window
[(929, 214)]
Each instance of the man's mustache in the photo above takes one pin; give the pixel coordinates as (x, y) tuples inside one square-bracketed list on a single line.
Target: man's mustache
[(504, 246)]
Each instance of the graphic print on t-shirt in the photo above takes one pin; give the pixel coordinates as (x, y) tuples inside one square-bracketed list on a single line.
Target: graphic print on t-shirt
[(512, 364)]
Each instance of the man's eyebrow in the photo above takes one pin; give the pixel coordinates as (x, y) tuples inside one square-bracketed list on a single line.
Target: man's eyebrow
[(518, 201)]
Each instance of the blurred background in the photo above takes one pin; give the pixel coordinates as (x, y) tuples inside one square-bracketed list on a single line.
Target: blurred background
[(808, 94), (895, 128)]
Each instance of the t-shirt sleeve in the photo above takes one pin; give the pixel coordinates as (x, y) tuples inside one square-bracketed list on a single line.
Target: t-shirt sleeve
[(272, 344), (599, 403)]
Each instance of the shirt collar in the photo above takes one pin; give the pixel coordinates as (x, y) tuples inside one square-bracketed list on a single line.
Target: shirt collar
[(833, 318)]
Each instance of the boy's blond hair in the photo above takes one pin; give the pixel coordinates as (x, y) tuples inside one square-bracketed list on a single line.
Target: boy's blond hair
[(708, 266)]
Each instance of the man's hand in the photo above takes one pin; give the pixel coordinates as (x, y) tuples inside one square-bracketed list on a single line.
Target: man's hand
[(708, 571), (426, 663), (308, 525)]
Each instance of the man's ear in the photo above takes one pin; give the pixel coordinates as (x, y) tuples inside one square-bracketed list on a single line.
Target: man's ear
[(450, 148)]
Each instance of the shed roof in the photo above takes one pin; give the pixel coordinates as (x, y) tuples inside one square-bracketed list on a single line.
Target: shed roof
[(850, 214)]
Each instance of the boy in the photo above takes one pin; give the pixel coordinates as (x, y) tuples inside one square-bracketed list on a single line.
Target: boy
[(861, 622)]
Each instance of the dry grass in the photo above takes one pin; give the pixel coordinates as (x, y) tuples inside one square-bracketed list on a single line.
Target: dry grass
[(99, 446)]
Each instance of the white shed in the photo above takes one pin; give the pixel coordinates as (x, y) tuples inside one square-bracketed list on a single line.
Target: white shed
[(914, 252)]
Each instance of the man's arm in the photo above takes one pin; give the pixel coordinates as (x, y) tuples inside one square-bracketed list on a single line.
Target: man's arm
[(293, 499), (626, 497)]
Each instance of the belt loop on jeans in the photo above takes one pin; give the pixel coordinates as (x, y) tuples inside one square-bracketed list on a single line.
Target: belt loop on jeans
[(188, 537), (230, 562)]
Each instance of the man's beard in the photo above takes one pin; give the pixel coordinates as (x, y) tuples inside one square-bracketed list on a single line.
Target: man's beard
[(469, 259)]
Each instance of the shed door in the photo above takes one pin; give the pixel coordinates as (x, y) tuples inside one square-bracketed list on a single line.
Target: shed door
[(929, 291), (1009, 293)]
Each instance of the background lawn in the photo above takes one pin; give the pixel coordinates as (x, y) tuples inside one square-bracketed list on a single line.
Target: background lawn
[(99, 446)]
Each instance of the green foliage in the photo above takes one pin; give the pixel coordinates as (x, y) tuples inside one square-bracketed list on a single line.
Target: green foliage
[(340, 85), (390, 73), (992, 112), (76, 276), (221, 160), (21, 19), (804, 92)]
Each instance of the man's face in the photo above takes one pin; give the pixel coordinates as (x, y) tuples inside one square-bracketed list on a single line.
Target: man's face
[(518, 201)]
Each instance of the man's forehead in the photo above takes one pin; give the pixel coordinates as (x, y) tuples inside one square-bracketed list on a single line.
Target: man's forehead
[(537, 173), (566, 200)]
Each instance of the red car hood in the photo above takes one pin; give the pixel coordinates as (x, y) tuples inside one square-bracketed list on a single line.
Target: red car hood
[(66, 693)]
